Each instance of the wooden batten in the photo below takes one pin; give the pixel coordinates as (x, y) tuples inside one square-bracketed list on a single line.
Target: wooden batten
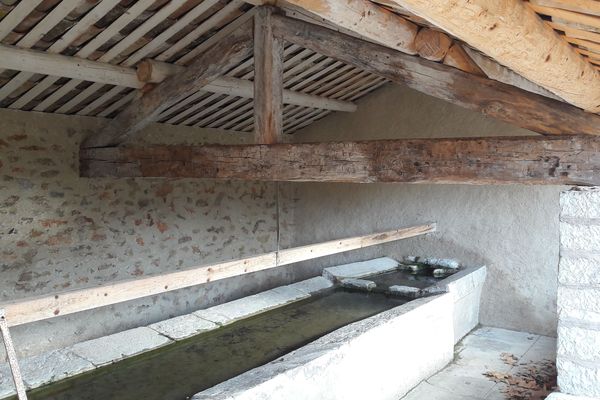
[(491, 160), (64, 303)]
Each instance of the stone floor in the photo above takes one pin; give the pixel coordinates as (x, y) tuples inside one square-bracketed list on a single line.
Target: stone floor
[(503, 353)]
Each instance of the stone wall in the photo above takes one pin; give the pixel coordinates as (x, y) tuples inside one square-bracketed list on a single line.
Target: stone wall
[(513, 229), (578, 359), (61, 232)]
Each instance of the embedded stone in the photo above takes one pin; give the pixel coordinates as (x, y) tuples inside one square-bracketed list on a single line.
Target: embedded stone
[(405, 291)]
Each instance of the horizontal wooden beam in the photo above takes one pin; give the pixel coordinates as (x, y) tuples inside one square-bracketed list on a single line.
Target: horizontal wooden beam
[(528, 160), (49, 306), (152, 71), (505, 102)]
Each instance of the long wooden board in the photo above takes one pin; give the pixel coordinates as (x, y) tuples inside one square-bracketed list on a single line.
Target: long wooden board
[(69, 302), (490, 160), (505, 102)]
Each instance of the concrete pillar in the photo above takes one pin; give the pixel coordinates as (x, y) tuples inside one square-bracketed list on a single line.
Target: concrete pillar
[(578, 352)]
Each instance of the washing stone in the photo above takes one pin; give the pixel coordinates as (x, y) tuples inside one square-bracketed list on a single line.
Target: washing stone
[(360, 269), (183, 327), (360, 284), (112, 348), (312, 285)]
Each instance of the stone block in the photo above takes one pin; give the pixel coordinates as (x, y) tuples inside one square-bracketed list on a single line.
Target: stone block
[(579, 237), (248, 306), (312, 285), (183, 327), (52, 366), (580, 203), (112, 348), (579, 270), (579, 343), (572, 299), (358, 284), (578, 378), (361, 269)]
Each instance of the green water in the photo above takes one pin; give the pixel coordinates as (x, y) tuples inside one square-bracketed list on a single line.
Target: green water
[(178, 371)]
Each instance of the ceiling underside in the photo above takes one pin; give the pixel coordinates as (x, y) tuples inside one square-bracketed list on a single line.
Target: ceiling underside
[(124, 32)]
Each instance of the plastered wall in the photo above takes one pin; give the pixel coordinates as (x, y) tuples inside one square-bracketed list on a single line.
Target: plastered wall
[(61, 232), (512, 229)]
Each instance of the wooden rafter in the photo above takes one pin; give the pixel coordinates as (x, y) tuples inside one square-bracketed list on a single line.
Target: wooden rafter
[(526, 160), (210, 65), (508, 103)]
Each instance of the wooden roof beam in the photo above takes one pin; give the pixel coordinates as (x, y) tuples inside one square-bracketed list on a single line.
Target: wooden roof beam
[(505, 102), (515, 36), (510, 160)]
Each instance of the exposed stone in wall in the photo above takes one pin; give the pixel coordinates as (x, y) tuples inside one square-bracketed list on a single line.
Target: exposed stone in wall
[(60, 232), (579, 293)]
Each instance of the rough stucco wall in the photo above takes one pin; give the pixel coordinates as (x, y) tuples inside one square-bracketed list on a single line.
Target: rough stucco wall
[(61, 232), (512, 229)]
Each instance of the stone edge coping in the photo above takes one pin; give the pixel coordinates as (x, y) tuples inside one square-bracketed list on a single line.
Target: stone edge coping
[(139, 340), (562, 396), (316, 349)]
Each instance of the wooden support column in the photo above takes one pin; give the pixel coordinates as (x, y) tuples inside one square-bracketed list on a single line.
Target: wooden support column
[(268, 79), (527, 160)]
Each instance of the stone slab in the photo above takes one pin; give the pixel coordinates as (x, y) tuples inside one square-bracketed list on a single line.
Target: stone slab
[(53, 366), (312, 285), (579, 270), (183, 327), (361, 269), (580, 203), (228, 313), (406, 291), (112, 348), (577, 298), (579, 237), (359, 284), (579, 343)]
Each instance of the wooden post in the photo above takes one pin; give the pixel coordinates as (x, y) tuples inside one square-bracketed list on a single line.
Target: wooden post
[(268, 79)]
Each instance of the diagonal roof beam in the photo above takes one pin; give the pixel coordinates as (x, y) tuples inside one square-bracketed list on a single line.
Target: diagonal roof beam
[(212, 64), (508, 103), (515, 36)]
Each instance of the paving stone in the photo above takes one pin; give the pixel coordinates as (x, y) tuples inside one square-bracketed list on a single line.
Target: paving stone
[(425, 391), (360, 284), (361, 269), (52, 366), (183, 327), (312, 285), (112, 348), (248, 306), (462, 381)]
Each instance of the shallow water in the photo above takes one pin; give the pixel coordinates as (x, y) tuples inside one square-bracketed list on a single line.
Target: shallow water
[(178, 371)]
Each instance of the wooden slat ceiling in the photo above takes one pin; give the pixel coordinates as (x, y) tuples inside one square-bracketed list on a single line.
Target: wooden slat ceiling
[(125, 32)]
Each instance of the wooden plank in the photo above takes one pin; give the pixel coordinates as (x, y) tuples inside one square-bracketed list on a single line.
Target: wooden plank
[(573, 160), (268, 79), (582, 6), (495, 99), (207, 67), (514, 35), (59, 304)]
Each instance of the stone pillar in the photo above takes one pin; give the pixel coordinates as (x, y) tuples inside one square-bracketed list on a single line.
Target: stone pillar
[(578, 352)]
